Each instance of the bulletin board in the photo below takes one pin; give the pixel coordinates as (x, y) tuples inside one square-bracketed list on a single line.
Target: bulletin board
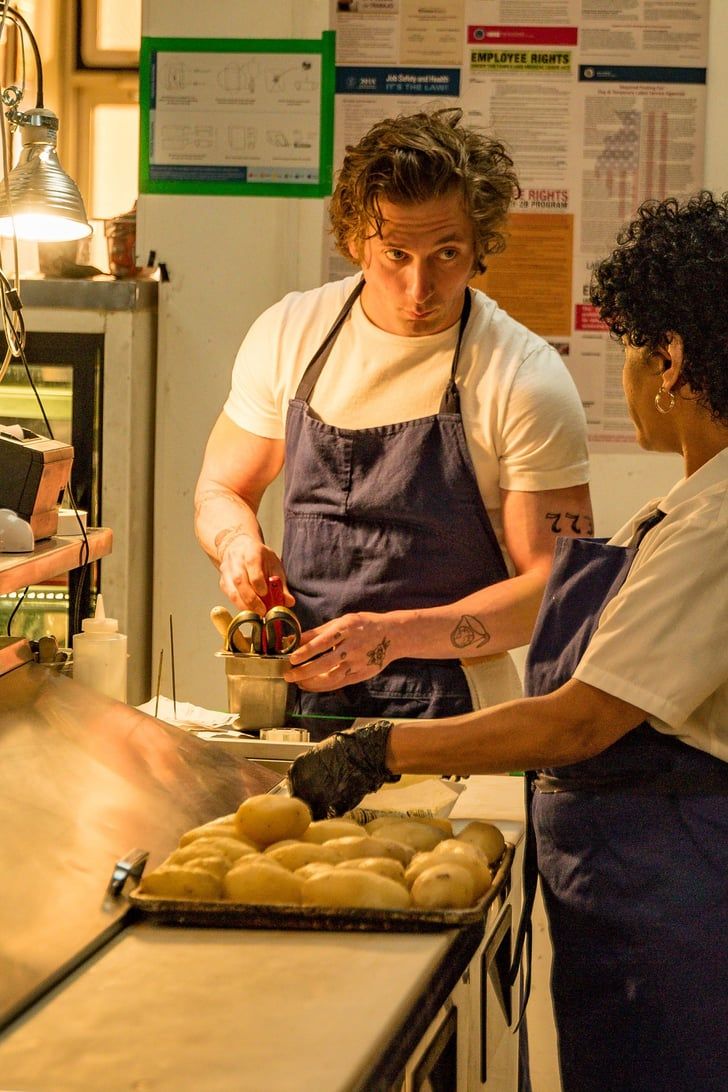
[(600, 105), (237, 116)]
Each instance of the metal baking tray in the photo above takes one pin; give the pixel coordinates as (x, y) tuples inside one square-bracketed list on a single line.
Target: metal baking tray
[(237, 915)]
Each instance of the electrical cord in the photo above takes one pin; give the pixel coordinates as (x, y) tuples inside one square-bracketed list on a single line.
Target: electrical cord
[(10, 304), (16, 608)]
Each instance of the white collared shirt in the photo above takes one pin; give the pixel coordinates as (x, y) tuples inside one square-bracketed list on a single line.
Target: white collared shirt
[(662, 642)]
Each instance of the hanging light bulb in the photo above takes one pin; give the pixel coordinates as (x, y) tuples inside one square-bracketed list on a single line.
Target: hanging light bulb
[(38, 200), (45, 202)]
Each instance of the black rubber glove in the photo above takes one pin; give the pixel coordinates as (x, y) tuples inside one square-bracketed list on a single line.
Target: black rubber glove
[(333, 777)]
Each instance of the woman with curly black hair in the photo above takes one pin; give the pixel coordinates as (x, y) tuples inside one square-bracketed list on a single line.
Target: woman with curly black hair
[(627, 722)]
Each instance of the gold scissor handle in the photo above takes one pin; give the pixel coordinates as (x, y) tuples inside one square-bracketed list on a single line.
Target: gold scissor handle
[(281, 629), (250, 626)]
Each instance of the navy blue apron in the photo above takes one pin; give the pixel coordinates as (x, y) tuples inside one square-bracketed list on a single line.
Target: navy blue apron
[(379, 519), (632, 850)]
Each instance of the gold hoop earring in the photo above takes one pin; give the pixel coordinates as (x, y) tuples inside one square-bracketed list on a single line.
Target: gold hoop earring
[(664, 393)]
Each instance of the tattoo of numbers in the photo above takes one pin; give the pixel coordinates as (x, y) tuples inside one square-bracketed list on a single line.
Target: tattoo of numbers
[(580, 523)]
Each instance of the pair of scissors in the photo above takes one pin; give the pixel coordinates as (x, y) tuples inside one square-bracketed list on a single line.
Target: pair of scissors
[(276, 633)]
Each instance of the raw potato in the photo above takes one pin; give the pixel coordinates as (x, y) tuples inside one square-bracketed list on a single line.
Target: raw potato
[(323, 830), (418, 864), (210, 830), (471, 858), (401, 852), (383, 866), (420, 835), (486, 837), (260, 881), (294, 855), (445, 886), (315, 868), (354, 888), (266, 819), (181, 882), (347, 848), (231, 849), (213, 863), (435, 821)]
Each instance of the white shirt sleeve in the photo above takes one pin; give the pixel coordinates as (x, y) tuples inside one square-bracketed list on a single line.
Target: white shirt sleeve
[(252, 402), (661, 642), (543, 432)]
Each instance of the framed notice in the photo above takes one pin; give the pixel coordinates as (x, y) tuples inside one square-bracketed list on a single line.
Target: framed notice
[(237, 116)]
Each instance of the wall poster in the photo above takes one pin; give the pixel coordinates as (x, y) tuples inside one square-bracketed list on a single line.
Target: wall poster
[(596, 121), (237, 116)]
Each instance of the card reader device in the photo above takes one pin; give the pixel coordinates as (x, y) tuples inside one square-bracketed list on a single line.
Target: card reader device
[(34, 472)]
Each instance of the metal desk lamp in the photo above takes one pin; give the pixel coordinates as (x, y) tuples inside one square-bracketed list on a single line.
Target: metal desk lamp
[(38, 200)]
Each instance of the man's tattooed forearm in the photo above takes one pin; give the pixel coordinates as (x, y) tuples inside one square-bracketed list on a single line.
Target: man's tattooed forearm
[(375, 657), (469, 631), (224, 537), (579, 523), (211, 494)]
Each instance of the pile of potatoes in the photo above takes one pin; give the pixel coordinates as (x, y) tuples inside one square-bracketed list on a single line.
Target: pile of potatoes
[(270, 852)]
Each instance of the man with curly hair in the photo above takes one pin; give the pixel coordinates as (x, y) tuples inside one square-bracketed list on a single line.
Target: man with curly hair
[(433, 446)]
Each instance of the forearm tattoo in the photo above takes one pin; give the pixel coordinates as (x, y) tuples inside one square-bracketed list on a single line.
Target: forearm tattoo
[(211, 494), (225, 537), (579, 523), (469, 631), (375, 657)]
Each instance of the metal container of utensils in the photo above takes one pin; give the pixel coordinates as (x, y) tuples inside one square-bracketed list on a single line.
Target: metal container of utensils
[(256, 656), (256, 689)]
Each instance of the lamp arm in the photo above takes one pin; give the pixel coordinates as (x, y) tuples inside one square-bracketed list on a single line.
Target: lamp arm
[(19, 21)]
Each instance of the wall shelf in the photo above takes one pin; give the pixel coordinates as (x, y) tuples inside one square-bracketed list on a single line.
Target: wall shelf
[(52, 557)]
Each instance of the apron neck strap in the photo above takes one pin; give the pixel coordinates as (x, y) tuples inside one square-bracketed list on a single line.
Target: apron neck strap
[(451, 398), (645, 526), (319, 358)]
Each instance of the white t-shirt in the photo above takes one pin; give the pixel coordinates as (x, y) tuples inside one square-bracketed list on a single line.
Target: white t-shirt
[(662, 642), (522, 415)]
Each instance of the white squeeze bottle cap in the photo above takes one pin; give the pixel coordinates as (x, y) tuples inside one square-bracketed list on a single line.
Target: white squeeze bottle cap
[(100, 624)]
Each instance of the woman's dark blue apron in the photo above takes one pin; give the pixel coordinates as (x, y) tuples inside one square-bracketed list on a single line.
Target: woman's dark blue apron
[(379, 519), (633, 855)]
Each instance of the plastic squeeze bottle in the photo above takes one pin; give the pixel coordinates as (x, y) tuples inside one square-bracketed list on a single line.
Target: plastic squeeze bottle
[(99, 654)]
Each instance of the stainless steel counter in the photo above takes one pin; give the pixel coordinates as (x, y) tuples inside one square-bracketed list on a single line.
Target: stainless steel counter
[(234, 1011), (238, 1010), (83, 781), (93, 997)]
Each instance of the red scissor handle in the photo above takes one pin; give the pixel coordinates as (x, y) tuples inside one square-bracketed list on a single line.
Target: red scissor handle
[(274, 598)]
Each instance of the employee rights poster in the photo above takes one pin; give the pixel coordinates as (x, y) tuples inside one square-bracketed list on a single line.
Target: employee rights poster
[(601, 106)]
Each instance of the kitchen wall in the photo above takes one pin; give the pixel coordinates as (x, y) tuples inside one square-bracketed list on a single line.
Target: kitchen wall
[(229, 258)]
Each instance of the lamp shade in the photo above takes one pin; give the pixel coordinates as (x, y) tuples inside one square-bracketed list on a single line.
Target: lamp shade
[(45, 203)]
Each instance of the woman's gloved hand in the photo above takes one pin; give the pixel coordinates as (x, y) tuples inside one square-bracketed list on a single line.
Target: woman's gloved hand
[(333, 777)]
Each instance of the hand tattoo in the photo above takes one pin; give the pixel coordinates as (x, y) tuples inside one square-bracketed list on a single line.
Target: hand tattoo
[(375, 658), (468, 631)]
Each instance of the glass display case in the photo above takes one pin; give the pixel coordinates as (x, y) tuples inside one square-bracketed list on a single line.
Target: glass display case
[(91, 349), (67, 370)]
